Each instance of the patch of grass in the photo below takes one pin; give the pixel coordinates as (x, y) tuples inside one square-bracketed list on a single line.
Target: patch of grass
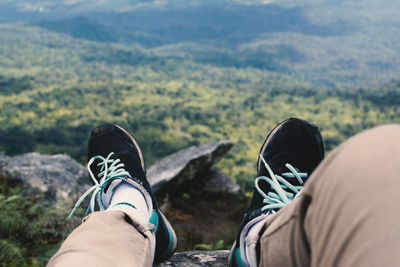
[(30, 230)]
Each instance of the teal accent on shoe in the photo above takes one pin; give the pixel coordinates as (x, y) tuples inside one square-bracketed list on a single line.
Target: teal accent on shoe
[(154, 220), (171, 243), (125, 203), (238, 258), (230, 263), (281, 198)]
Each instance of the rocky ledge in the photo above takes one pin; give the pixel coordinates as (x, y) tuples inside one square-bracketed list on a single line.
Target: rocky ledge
[(56, 177), (193, 165), (59, 177)]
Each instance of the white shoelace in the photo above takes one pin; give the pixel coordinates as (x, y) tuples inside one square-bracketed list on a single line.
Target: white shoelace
[(111, 169), (280, 185)]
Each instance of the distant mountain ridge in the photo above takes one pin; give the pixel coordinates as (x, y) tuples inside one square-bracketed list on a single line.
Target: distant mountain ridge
[(230, 26), (345, 44), (81, 27)]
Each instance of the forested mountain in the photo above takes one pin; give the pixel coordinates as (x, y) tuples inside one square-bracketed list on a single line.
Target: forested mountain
[(188, 72), (340, 44), (54, 88)]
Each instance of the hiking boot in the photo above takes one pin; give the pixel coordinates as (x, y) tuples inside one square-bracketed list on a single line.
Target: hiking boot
[(119, 158), (290, 153)]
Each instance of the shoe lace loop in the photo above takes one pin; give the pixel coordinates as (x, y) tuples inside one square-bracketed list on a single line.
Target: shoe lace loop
[(111, 169), (281, 186)]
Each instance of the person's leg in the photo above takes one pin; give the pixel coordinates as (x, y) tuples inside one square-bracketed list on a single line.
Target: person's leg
[(106, 238), (349, 211), (130, 230)]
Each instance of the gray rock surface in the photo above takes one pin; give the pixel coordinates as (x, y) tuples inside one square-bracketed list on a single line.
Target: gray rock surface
[(216, 181), (58, 177), (216, 258), (187, 164)]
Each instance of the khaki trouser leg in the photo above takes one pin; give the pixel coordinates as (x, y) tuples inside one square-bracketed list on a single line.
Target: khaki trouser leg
[(104, 239), (349, 211)]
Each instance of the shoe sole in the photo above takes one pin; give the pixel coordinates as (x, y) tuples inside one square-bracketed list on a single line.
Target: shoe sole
[(174, 237), (266, 141)]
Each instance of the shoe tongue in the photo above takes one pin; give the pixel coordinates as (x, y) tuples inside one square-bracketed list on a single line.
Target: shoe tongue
[(131, 164), (305, 163), (95, 167), (277, 164)]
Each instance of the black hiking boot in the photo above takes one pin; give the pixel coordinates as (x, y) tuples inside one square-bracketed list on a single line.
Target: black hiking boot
[(290, 153)]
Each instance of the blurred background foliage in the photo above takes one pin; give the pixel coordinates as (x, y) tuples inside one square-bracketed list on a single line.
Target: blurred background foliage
[(56, 88), (30, 231)]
